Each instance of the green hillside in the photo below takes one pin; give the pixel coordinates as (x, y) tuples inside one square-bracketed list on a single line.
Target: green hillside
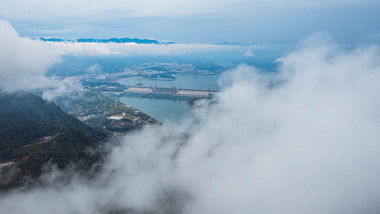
[(34, 132)]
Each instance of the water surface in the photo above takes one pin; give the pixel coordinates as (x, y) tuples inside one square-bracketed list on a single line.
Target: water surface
[(160, 109), (189, 82), (166, 109)]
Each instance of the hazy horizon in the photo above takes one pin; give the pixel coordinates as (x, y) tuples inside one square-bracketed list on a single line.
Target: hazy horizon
[(194, 21)]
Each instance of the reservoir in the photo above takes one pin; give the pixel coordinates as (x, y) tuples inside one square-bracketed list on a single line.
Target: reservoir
[(166, 109), (161, 109), (203, 82)]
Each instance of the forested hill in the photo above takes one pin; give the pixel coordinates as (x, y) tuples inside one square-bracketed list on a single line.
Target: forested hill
[(34, 132), (27, 106)]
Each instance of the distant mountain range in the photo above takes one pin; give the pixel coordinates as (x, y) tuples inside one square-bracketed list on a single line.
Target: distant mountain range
[(111, 40)]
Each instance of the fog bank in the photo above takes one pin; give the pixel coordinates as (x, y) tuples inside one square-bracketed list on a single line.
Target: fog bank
[(24, 63)]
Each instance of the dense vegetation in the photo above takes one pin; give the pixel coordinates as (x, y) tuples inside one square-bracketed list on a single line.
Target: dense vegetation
[(34, 132)]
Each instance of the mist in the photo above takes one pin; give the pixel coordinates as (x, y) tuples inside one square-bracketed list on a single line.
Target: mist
[(133, 49), (24, 63), (304, 139)]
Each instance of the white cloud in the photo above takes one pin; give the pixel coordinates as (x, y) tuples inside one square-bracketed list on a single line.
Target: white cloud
[(24, 62), (61, 87), (95, 49), (304, 140), (95, 68), (248, 53)]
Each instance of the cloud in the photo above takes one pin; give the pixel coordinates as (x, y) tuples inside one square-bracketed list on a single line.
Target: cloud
[(62, 87), (194, 20), (94, 69), (24, 62), (151, 8), (96, 49), (248, 53), (302, 140)]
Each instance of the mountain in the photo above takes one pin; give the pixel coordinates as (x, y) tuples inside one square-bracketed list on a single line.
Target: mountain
[(34, 132), (111, 40)]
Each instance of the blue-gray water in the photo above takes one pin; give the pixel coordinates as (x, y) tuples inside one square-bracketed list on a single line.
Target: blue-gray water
[(203, 82), (162, 109)]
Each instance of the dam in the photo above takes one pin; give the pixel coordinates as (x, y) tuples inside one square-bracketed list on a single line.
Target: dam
[(163, 92)]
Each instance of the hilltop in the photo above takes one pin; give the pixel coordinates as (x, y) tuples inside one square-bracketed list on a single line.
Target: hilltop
[(34, 132)]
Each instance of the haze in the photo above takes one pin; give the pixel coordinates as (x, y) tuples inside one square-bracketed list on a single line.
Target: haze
[(301, 138), (195, 21)]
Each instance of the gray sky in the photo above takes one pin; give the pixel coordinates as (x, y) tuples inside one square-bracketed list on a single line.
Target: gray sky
[(196, 21)]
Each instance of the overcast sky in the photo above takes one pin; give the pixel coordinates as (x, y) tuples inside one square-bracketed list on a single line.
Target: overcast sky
[(196, 21)]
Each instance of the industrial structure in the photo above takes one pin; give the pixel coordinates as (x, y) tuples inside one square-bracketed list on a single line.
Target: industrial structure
[(162, 92)]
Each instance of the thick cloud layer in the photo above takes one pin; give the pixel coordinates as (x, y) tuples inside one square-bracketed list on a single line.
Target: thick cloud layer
[(128, 49), (24, 62), (303, 140)]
